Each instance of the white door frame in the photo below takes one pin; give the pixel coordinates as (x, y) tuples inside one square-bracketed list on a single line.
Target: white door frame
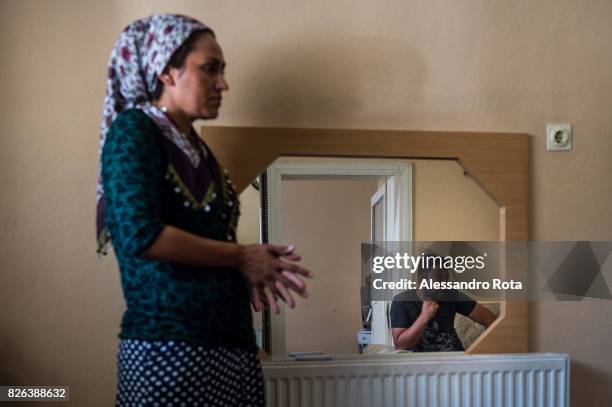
[(381, 326), (381, 193), (324, 166), (378, 324)]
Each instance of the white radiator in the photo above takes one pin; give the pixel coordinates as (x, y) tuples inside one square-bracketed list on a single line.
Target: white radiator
[(432, 380)]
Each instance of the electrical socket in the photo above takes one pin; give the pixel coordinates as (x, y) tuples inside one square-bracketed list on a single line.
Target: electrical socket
[(559, 137)]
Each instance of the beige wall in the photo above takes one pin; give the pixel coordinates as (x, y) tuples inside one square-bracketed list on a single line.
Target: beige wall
[(448, 205), (248, 226), (327, 220), (450, 65)]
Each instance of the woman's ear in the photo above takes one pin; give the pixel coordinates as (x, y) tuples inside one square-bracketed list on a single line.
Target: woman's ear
[(166, 78)]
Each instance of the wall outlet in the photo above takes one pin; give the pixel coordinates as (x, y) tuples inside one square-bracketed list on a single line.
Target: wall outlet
[(559, 137)]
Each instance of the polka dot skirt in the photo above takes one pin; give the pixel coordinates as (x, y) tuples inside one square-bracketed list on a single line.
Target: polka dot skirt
[(174, 373)]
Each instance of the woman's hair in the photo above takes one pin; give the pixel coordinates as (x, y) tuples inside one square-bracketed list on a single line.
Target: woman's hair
[(177, 60)]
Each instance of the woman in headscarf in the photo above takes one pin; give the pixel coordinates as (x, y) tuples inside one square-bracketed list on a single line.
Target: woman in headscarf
[(170, 211)]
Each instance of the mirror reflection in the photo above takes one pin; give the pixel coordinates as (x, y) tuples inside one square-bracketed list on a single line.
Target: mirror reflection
[(326, 207)]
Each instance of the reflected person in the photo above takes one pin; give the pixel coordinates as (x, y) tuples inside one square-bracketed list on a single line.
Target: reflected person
[(422, 320)]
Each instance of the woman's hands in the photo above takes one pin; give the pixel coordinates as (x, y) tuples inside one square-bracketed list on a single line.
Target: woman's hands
[(272, 273), (269, 268)]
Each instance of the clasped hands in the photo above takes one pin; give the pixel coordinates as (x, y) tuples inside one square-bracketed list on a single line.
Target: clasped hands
[(272, 274)]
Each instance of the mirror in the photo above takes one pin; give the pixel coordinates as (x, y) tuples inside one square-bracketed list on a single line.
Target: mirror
[(326, 207), (498, 162)]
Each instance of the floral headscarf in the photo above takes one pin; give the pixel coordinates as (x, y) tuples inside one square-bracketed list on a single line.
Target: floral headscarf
[(141, 53)]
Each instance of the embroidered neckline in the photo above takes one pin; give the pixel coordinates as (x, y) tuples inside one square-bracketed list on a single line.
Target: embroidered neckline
[(210, 194), (230, 204), (173, 134)]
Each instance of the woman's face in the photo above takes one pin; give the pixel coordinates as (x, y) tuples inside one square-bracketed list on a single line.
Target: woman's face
[(198, 85)]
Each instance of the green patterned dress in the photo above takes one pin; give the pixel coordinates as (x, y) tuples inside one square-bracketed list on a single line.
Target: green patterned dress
[(149, 182)]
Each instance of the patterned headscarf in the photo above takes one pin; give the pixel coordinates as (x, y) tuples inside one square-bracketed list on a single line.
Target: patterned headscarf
[(141, 53)]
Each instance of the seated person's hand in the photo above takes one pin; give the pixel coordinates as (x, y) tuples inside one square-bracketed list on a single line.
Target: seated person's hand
[(429, 310)]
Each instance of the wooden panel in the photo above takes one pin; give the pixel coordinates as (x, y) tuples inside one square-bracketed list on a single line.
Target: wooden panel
[(498, 162)]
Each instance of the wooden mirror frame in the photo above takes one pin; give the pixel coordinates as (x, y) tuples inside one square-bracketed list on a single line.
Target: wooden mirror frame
[(498, 162)]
